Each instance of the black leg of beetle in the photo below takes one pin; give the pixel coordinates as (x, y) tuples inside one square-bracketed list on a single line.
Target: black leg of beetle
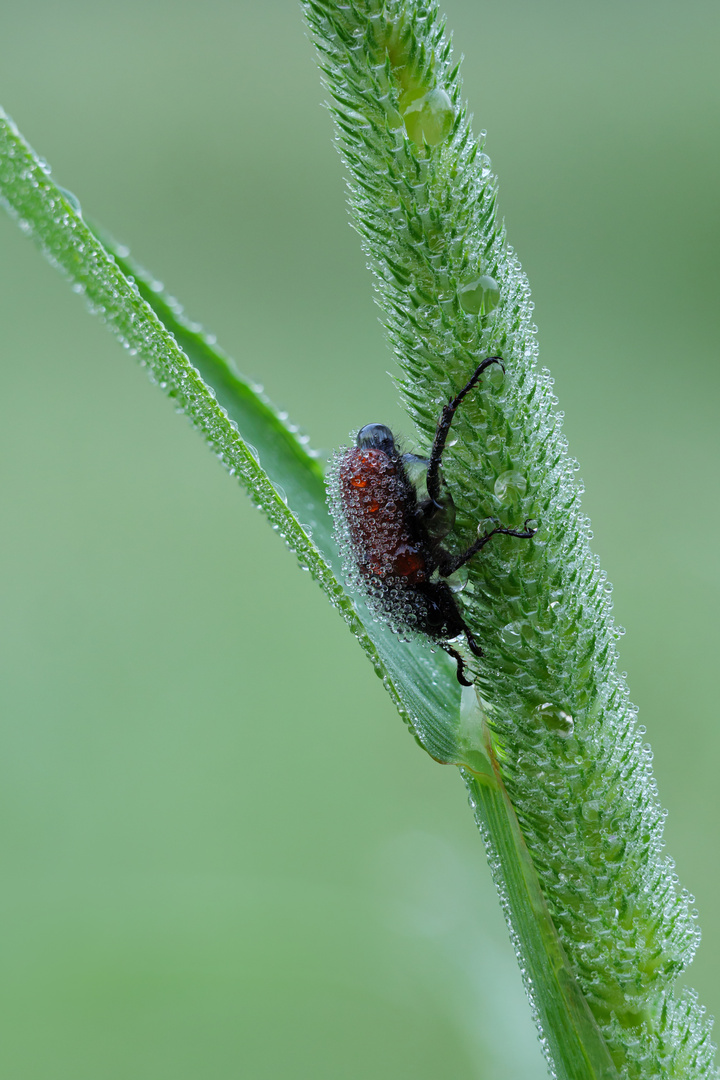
[(441, 434), (460, 664), (472, 643), (450, 563)]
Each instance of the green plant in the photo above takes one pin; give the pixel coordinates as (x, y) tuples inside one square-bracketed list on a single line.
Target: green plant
[(561, 730)]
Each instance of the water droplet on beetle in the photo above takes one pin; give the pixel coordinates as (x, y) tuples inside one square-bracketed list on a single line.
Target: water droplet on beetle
[(494, 377), (457, 581)]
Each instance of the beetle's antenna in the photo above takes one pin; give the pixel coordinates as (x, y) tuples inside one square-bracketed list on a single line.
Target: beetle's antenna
[(441, 434)]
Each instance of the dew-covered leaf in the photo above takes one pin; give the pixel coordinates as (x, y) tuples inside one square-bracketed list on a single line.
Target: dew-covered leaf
[(273, 462)]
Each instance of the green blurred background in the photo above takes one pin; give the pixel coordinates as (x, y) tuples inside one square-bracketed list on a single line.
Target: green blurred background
[(223, 856)]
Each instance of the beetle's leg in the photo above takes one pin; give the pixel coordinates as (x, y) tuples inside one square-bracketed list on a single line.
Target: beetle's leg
[(438, 517), (450, 563), (441, 433), (460, 663), (472, 643)]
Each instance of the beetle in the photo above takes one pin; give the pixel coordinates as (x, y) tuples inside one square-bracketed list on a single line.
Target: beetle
[(386, 529)]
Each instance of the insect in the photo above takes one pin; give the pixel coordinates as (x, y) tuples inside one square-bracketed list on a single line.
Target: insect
[(391, 535)]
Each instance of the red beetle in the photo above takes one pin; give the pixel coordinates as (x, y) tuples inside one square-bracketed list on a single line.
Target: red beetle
[(388, 532)]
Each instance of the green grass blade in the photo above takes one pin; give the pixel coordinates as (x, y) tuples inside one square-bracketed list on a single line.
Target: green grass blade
[(570, 1036), (284, 453), (238, 424), (49, 214), (423, 684)]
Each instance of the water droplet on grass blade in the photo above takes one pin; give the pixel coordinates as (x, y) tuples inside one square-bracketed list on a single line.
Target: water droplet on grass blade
[(556, 719), (428, 117), (510, 486), (71, 199), (512, 634), (591, 810), (480, 296)]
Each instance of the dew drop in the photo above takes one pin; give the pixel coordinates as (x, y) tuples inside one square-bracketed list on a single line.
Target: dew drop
[(556, 719), (511, 634), (457, 581), (480, 296), (494, 377), (428, 117), (71, 199), (591, 810), (510, 486)]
